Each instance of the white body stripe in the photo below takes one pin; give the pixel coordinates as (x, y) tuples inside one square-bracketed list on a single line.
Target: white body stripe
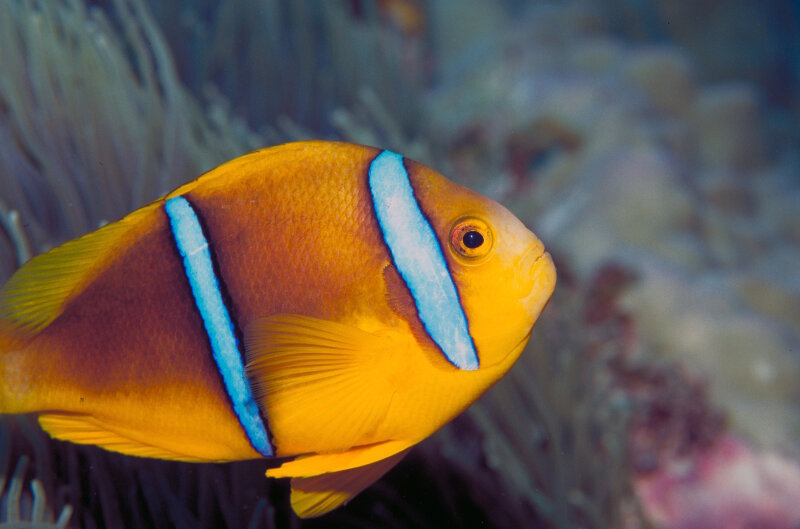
[(193, 248), (419, 259)]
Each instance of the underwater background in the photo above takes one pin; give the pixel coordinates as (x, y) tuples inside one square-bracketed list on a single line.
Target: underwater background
[(651, 144)]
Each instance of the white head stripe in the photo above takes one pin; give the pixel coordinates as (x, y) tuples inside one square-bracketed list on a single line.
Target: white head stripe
[(418, 257)]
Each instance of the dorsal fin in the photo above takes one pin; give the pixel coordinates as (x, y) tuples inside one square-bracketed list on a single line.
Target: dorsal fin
[(36, 294)]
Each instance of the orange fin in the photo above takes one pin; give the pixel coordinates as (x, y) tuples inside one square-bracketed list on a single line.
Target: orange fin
[(85, 429), (314, 464), (334, 379), (317, 495), (37, 292)]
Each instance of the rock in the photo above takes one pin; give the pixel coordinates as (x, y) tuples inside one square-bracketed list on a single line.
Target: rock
[(727, 195), (778, 301), (666, 75), (641, 195), (677, 136), (750, 361), (629, 198), (469, 29), (596, 56), (730, 129)]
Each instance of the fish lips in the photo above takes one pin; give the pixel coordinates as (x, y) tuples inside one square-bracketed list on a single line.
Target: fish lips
[(538, 279)]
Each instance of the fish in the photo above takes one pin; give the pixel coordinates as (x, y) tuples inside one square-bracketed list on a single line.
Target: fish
[(322, 305)]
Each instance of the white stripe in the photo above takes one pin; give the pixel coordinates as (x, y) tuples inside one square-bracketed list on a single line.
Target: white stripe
[(193, 247), (418, 256)]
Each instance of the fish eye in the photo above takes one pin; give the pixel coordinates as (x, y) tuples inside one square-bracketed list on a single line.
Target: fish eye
[(471, 239)]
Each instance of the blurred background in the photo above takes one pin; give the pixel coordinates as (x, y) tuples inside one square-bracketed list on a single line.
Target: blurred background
[(652, 145)]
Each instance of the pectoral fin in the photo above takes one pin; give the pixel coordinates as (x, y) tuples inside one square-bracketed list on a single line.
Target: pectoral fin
[(317, 495), (335, 380)]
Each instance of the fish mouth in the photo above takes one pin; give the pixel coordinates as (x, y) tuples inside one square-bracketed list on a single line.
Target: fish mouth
[(540, 278), (528, 266)]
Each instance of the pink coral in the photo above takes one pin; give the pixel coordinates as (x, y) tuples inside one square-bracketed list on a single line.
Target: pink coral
[(730, 485)]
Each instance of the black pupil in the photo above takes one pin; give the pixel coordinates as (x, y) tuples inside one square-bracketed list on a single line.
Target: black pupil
[(472, 239)]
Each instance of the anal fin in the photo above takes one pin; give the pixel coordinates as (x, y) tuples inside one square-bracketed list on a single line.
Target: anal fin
[(85, 429), (317, 495)]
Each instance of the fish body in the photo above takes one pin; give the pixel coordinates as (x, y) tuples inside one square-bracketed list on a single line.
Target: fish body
[(324, 302)]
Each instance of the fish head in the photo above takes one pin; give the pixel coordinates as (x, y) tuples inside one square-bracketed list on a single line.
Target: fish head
[(501, 271)]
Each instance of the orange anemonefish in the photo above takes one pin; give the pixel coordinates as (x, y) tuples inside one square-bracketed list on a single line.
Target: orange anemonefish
[(327, 303)]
